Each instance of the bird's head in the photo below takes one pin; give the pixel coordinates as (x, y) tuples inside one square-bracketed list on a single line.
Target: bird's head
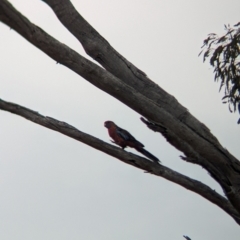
[(109, 124)]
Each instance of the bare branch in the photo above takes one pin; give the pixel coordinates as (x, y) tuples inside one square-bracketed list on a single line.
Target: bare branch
[(162, 109), (124, 156), (100, 50), (192, 155)]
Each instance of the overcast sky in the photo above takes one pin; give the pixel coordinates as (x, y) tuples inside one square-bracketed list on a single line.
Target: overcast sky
[(53, 187)]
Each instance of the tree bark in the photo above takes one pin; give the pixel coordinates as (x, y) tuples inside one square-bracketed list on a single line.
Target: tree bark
[(128, 84), (124, 156)]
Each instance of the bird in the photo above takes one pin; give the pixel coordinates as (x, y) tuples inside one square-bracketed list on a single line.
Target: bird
[(124, 139)]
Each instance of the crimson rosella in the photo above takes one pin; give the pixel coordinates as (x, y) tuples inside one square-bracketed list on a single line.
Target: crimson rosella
[(124, 139)]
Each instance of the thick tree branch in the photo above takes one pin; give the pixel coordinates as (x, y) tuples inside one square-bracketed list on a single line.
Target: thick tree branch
[(124, 156), (192, 156), (99, 49), (195, 136)]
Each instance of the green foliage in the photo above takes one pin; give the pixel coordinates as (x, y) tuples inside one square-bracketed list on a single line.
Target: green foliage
[(224, 55)]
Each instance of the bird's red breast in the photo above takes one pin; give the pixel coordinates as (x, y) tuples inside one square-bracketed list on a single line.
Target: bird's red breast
[(112, 131), (123, 138)]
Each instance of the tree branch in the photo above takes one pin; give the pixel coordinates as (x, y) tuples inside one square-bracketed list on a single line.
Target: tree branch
[(124, 156), (193, 134), (99, 49)]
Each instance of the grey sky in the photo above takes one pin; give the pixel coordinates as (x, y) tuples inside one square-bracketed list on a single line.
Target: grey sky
[(52, 187)]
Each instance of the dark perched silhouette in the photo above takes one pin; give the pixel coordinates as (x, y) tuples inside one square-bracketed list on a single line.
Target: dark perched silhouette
[(124, 139)]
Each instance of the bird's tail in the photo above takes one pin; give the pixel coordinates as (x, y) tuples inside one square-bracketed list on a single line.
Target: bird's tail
[(147, 154)]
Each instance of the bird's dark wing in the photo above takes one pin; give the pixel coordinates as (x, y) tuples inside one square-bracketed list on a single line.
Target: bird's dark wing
[(129, 139), (125, 134)]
